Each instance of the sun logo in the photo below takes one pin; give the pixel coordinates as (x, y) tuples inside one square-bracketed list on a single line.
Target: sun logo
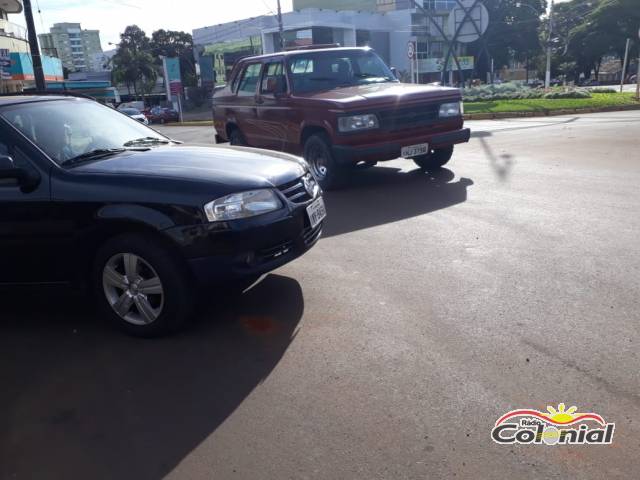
[(561, 415)]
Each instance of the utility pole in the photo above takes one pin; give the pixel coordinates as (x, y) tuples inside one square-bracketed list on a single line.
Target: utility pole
[(547, 76), (624, 64), (38, 72), (638, 74), (280, 27)]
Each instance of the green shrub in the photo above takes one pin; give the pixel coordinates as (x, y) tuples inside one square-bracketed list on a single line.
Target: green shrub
[(516, 91), (603, 90), (503, 91), (567, 94)]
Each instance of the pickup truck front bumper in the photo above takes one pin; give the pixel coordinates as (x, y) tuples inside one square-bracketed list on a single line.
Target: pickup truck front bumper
[(390, 151)]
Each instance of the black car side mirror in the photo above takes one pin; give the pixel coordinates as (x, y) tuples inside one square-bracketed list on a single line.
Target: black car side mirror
[(27, 180)]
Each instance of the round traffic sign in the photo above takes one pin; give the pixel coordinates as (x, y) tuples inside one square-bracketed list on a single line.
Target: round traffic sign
[(468, 21), (411, 49)]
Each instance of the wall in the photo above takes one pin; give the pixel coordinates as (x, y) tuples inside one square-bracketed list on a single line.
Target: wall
[(22, 67), (370, 5)]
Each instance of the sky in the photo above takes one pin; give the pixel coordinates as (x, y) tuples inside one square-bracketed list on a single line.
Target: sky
[(112, 16)]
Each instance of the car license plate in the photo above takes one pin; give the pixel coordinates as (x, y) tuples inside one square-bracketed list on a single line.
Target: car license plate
[(415, 150), (316, 212)]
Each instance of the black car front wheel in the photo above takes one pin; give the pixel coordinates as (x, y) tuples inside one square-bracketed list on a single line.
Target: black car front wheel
[(319, 156), (141, 286), (435, 159)]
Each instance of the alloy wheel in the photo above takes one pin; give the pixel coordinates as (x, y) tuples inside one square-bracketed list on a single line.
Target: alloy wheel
[(133, 289), (318, 162)]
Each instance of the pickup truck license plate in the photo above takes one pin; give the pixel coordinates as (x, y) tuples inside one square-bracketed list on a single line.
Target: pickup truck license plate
[(316, 212), (415, 150)]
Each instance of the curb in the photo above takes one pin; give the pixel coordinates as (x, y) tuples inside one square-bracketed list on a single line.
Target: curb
[(547, 113)]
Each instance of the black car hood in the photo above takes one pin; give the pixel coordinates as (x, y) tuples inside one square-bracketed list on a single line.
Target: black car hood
[(245, 167)]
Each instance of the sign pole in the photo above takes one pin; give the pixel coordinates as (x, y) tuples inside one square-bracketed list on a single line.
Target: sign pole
[(624, 64)]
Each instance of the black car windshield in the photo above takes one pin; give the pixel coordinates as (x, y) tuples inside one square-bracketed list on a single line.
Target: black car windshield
[(317, 71), (67, 128)]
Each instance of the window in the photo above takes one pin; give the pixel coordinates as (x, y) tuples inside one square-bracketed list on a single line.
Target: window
[(250, 80), (274, 79), (66, 128), (319, 71)]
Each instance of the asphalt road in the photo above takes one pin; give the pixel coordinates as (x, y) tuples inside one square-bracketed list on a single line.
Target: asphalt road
[(432, 306)]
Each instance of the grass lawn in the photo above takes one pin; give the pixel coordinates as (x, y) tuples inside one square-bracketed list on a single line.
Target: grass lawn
[(599, 100)]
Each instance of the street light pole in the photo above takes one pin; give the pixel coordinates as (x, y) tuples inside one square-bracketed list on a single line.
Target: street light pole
[(547, 76), (280, 27), (38, 72)]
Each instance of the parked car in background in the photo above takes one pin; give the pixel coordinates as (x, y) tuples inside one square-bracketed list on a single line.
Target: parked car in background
[(90, 198), (135, 114), (162, 115), (338, 107)]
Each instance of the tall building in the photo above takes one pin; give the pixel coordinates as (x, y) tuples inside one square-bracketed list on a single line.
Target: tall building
[(76, 48)]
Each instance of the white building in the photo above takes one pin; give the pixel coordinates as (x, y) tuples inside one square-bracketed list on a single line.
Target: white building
[(387, 32)]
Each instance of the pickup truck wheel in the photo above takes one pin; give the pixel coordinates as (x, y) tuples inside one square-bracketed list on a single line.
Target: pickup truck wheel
[(434, 160), (236, 138), (141, 286), (318, 154)]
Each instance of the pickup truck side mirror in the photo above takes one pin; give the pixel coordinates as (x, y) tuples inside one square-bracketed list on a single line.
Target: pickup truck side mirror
[(394, 70), (16, 176)]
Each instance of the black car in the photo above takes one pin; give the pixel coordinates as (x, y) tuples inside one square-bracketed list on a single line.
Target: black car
[(91, 197)]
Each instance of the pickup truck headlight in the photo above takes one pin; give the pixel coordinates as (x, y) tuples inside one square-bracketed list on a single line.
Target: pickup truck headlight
[(453, 109), (357, 122), (242, 205)]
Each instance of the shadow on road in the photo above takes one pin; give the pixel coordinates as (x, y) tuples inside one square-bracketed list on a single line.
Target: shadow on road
[(80, 400), (381, 195)]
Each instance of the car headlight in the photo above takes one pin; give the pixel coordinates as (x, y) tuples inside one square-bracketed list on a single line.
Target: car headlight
[(453, 109), (357, 122), (242, 205)]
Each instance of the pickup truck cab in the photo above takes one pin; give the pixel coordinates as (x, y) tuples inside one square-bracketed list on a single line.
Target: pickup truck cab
[(337, 107)]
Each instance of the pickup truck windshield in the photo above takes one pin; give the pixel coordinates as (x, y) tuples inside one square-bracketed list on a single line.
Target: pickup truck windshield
[(317, 71)]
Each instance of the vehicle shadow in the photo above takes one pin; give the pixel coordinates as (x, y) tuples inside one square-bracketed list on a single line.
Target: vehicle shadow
[(381, 195), (80, 400)]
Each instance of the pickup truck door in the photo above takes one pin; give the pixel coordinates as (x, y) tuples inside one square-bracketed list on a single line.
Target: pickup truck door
[(244, 106), (274, 129)]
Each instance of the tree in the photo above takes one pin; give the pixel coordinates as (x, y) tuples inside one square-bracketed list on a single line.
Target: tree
[(169, 43), (588, 30), (133, 64), (513, 33)]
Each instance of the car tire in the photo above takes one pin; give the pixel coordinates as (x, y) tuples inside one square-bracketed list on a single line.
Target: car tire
[(319, 155), (162, 122), (141, 286), (237, 138), (434, 160)]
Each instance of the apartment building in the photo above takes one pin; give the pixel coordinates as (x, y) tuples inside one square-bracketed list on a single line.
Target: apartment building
[(75, 47)]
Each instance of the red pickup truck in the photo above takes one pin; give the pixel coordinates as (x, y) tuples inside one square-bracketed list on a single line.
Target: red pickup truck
[(338, 107)]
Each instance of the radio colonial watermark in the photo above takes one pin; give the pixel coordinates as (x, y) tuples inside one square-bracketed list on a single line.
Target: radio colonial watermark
[(557, 427)]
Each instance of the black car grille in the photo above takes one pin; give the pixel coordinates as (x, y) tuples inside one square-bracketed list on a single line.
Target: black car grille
[(410, 117), (267, 254), (311, 235), (295, 191)]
